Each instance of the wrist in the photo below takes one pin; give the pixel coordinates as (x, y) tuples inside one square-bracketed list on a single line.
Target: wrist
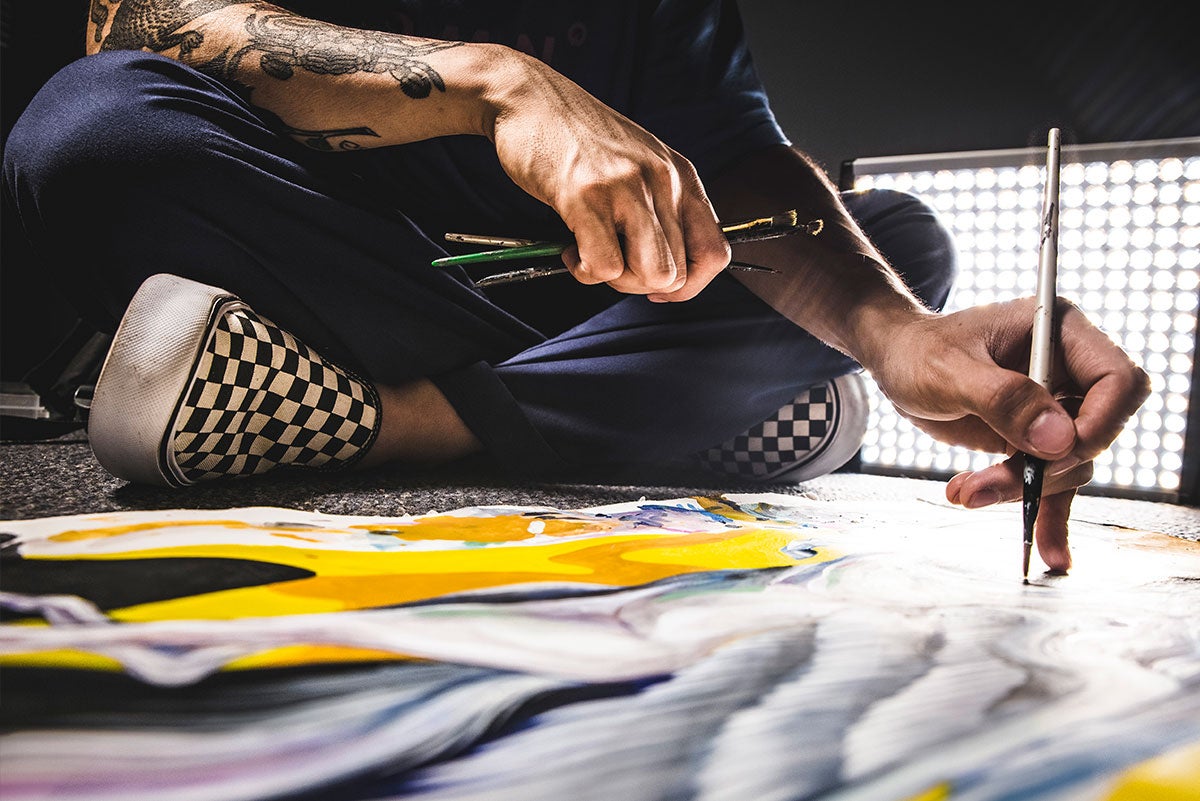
[(875, 325), (879, 315), (506, 76), (481, 72)]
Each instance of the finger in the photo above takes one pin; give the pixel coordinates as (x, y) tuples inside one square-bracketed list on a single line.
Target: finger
[(596, 256), (571, 260), (1003, 482), (708, 255), (649, 263), (1020, 410), (1113, 386), (968, 432), (1050, 530), (707, 249), (954, 486), (989, 486), (668, 212)]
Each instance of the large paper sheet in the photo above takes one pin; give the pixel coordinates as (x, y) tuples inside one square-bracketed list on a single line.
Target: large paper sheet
[(747, 646)]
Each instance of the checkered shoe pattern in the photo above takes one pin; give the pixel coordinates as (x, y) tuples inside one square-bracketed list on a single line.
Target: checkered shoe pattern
[(261, 398), (798, 436)]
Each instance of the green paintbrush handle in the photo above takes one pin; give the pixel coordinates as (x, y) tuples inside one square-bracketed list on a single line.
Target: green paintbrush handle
[(533, 251)]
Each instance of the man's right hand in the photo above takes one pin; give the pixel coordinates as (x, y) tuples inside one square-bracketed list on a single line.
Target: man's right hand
[(640, 217), (961, 378)]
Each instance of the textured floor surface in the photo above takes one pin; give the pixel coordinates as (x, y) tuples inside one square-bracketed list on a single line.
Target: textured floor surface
[(62, 477)]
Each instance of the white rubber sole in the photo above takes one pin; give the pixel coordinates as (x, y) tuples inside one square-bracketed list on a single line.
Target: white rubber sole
[(150, 365), (853, 408)]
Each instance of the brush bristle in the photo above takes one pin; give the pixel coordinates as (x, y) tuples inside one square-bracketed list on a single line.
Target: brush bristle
[(789, 219)]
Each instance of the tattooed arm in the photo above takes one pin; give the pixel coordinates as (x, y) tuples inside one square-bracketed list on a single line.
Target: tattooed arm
[(333, 87), (641, 219)]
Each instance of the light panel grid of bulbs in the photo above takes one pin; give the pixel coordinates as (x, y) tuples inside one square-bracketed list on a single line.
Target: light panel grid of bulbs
[(1129, 257)]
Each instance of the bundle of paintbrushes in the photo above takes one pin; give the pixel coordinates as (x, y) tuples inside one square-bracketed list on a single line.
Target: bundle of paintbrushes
[(512, 249)]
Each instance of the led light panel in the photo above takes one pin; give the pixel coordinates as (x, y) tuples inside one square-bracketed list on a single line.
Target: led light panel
[(1129, 257)]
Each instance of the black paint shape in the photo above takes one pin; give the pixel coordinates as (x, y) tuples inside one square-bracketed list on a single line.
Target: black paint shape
[(117, 583)]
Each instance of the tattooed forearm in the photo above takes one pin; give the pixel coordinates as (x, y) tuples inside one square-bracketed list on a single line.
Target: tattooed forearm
[(286, 42), (283, 42), (153, 25), (256, 44)]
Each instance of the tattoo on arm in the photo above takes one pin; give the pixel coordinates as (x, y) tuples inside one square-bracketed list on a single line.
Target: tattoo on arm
[(319, 140), (151, 25), (287, 42), (98, 14), (281, 41), (284, 42)]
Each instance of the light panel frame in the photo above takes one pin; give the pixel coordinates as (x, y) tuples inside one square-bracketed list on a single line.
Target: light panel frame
[(1129, 257)]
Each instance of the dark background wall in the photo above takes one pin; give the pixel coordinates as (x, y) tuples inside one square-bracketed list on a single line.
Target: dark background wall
[(847, 79), (36, 38), (853, 79)]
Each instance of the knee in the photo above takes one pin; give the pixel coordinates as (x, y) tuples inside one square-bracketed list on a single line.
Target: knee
[(98, 116), (912, 237)]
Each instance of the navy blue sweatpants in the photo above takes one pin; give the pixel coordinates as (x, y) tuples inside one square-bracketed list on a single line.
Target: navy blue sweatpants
[(128, 164)]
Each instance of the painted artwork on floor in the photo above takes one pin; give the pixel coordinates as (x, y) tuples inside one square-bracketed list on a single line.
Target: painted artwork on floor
[(738, 647)]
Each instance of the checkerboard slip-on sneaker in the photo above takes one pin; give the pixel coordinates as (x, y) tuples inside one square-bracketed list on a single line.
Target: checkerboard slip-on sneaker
[(196, 386), (815, 434)]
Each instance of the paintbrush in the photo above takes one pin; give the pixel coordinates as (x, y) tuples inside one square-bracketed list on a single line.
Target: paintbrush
[(529, 273), (1041, 349), (513, 248)]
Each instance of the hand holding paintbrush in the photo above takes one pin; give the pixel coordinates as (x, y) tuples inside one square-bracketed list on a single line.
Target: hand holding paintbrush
[(515, 249)]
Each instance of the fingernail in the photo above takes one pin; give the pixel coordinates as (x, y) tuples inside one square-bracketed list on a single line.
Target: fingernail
[(1051, 432), (985, 497), (954, 487), (1065, 465)]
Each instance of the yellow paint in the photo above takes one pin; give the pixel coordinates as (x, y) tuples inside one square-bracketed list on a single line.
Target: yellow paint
[(75, 535), (756, 548), (284, 536), (288, 656), (583, 551), (580, 550), (358, 579), (725, 510), (501, 528), (450, 528), (293, 655), (939, 792), (65, 658), (462, 528), (350, 580), (1173, 776)]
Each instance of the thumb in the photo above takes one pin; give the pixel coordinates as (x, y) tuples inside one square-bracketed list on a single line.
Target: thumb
[(1022, 411)]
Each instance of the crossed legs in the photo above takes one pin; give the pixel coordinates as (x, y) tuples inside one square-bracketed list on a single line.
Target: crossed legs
[(190, 181)]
